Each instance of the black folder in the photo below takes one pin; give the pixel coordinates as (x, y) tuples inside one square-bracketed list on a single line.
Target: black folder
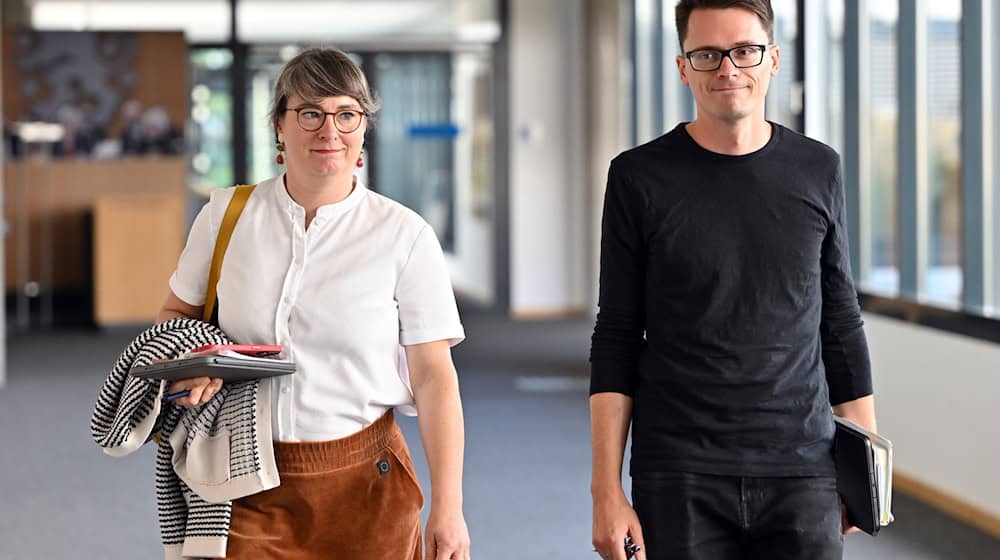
[(858, 476)]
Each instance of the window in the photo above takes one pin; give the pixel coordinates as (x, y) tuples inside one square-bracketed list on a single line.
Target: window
[(824, 73), (678, 104), (648, 78), (879, 191), (416, 135), (943, 285), (433, 151), (993, 167), (833, 68), (784, 98), (211, 122), (661, 100), (263, 65)]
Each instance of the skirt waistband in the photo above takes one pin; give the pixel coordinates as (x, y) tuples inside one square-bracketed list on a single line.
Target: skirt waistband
[(322, 456)]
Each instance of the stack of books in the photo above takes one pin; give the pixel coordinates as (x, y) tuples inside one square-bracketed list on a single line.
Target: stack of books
[(864, 475), (230, 362)]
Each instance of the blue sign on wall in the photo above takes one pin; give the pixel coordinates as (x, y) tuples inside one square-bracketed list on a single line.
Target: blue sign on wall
[(433, 131)]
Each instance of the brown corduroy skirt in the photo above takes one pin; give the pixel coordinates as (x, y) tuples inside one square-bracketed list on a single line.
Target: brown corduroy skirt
[(356, 497)]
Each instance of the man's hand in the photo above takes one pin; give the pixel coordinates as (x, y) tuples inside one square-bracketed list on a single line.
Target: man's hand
[(614, 519), (447, 536), (845, 526)]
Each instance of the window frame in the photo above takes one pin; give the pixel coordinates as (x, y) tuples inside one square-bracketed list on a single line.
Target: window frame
[(979, 314)]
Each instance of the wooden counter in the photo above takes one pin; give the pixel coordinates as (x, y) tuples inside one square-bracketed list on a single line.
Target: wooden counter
[(133, 210)]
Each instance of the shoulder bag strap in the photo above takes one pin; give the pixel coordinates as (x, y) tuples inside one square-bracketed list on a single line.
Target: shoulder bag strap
[(233, 212)]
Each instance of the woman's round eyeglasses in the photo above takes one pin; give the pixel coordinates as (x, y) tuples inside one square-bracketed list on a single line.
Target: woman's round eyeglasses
[(312, 119)]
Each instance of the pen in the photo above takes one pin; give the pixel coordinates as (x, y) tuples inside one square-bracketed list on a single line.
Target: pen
[(630, 547), (178, 394)]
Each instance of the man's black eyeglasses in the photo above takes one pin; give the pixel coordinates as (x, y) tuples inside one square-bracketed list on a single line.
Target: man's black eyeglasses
[(743, 56)]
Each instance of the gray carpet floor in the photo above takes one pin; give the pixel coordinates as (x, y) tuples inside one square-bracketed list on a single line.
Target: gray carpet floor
[(527, 457)]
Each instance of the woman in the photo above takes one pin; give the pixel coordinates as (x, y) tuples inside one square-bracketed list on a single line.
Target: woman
[(340, 277)]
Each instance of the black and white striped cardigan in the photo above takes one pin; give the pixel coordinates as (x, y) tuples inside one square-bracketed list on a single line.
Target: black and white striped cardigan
[(198, 470)]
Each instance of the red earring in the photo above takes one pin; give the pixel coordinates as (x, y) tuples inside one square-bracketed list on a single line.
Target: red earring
[(361, 161), (280, 146)]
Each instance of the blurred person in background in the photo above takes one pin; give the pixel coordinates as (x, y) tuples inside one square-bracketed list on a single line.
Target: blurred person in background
[(131, 135), (158, 135)]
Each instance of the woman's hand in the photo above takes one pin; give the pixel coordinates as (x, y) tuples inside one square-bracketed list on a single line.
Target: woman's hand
[(442, 429), (202, 390), (447, 536)]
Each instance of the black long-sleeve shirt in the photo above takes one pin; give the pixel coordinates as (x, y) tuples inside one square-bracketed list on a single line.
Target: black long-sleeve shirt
[(727, 308)]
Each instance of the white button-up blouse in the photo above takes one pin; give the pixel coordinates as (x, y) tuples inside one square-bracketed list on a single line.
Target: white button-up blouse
[(342, 298)]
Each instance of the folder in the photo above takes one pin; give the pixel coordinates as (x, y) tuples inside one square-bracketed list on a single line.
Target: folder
[(864, 475), (229, 368)]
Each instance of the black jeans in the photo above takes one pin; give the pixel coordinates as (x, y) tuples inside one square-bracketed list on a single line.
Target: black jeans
[(686, 516)]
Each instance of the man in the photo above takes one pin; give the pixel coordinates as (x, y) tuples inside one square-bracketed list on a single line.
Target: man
[(728, 321)]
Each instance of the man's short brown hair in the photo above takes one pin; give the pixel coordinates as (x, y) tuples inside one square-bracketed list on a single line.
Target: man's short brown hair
[(760, 8)]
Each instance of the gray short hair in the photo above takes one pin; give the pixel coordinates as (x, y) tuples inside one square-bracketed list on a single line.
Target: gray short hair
[(317, 73)]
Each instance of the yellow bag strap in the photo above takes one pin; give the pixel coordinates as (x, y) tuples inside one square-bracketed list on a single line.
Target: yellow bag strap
[(233, 212)]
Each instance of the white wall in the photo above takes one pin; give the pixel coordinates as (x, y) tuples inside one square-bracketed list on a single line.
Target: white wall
[(471, 261), (938, 399), (549, 256)]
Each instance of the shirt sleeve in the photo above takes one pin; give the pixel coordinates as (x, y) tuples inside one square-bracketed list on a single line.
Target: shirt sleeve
[(427, 308), (191, 276), (618, 337), (845, 348)]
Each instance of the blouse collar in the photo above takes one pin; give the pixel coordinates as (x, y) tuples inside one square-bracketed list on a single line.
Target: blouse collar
[(325, 211)]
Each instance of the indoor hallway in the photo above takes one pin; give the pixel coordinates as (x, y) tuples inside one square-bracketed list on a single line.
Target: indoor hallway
[(524, 388)]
